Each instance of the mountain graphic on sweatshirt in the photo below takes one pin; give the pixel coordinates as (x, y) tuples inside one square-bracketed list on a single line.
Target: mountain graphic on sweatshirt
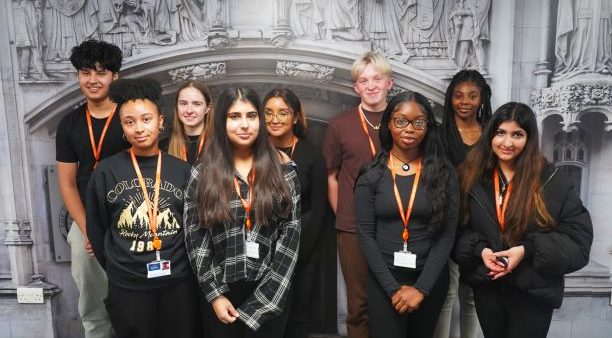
[(132, 217)]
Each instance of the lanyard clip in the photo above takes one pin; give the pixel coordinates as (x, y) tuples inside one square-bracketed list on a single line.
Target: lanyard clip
[(405, 247), (157, 256)]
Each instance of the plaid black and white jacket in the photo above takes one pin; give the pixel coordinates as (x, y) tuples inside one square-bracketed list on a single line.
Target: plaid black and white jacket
[(218, 256)]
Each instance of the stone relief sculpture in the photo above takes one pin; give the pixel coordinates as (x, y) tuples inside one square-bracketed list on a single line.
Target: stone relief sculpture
[(201, 71), (456, 30), (382, 20), (67, 23), (343, 20), (193, 19), (424, 27), (468, 27), (305, 71), (29, 39), (306, 18), (584, 38)]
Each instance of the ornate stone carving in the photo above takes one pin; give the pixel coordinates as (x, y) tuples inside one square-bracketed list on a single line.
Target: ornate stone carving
[(29, 40), (202, 72), (570, 101), (305, 71), (17, 232), (583, 43), (468, 26)]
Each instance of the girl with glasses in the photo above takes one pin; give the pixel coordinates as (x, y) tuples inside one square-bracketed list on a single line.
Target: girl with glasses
[(523, 227), (286, 124), (407, 204), (242, 219)]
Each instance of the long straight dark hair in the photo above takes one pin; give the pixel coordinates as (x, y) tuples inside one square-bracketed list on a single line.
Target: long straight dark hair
[(526, 204), (455, 150), (216, 186), (437, 170)]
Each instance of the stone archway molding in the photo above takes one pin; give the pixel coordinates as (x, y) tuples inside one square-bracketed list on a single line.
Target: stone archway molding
[(315, 66)]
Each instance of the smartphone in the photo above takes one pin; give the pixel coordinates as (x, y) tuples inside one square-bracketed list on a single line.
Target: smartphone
[(503, 260)]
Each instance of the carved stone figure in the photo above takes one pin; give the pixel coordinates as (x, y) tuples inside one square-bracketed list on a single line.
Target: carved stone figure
[(382, 20), (193, 19), (29, 39), (584, 38), (67, 23), (343, 20), (423, 26), (468, 26), (306, 19)]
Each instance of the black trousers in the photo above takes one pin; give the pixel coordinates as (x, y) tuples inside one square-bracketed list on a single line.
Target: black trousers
[(385, 322), (299, 314), (507, 312), (240, 292), (169, 312)]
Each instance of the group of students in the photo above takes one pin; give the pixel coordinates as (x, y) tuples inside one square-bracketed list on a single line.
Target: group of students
[(214, 230)]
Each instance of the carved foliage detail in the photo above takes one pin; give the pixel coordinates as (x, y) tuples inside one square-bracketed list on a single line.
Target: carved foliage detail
[(305, 71), (202, 71), (571, 100)]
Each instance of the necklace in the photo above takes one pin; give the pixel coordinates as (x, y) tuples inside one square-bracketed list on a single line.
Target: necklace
[(405, 165), (375, 127)]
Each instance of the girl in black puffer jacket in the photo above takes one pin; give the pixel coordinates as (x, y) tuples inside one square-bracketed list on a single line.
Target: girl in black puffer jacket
[(523, 228)]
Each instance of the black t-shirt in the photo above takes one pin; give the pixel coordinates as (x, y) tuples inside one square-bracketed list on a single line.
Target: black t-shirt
[(118, 224), (192, 143), (72, 143)]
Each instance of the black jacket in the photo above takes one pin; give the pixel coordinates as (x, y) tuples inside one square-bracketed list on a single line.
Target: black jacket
[(549, 254)]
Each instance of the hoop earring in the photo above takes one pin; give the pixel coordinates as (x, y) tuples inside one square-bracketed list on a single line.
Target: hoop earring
[(123, 137)]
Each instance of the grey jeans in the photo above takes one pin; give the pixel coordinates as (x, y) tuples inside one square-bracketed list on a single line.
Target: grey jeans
[(91, 281)]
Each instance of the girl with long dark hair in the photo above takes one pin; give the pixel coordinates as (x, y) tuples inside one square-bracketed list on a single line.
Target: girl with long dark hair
[(467, 109), (286, 124), (193, 105), (407, 204), (135, 224), (242, 220), (523, 229)]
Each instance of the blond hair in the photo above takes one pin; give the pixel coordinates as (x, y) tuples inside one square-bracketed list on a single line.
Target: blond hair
[(378, 60)]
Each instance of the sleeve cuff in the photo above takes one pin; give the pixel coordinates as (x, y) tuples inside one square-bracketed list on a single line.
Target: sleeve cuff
[(478, 249), (529, 249), (216, 292)]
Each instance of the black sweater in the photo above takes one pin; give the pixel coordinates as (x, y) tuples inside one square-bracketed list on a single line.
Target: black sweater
[(118, 225), (313, 189), (549, 254), (379, 228)]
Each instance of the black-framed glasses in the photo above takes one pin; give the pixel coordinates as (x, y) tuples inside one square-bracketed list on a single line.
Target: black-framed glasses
[(402, 122), (281, 115)]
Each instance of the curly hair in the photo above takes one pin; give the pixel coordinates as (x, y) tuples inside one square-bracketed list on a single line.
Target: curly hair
[(124, 90), (94, 54)]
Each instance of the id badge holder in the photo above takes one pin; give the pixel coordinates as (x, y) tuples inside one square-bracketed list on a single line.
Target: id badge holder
[(252, 248), (404, 259), (158, 267)]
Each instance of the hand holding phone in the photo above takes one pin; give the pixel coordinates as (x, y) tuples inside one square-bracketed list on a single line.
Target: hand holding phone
[(503, 260)]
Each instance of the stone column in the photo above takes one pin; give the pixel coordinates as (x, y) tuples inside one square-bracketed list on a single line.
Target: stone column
[(282, 30), (14, 215), (542, 71), (218, 35)]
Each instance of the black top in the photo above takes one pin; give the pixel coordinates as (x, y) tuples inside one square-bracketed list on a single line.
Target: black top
[(313, 189), (380, 227), (118, 223), (192, 143), (549, 253), (72, 144)]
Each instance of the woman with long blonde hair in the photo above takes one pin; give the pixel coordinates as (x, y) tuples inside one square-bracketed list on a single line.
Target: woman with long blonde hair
[(192, 108)]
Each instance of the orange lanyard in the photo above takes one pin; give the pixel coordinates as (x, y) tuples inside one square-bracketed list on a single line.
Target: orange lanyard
[(295, 141), (405, 216), (151, 209), (365, 130), (246, 204), (200, 146), (500, 207), (97, 150)]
